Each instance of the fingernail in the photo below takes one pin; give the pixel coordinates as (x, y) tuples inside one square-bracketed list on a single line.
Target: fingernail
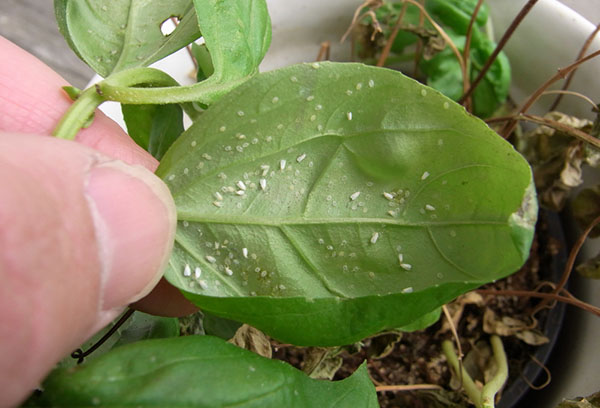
[(134, 217)]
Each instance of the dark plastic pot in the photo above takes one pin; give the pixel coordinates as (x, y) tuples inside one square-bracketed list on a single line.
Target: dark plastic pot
[(551, 324)]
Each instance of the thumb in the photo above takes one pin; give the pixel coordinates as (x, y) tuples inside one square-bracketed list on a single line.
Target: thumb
[(81, 236)]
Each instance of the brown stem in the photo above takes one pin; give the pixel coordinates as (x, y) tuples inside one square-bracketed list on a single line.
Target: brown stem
[(411, 387), (510, 126), (573, 255), (551, 296), (324, 51), (582, 52), (419, 50), (584, 137), (466, 55), (388, 45), (513, 26)]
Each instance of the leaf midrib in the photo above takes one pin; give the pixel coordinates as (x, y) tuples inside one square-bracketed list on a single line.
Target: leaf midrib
[(271, 221)]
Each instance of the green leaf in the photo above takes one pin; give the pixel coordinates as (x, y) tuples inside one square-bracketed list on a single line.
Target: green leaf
[(143, 326), (423, 322), (456, 14), (203, 60), (300, 259), (444, 74), (154, 127), (113, 35), (217, 326), (237, 34), (198, 371)]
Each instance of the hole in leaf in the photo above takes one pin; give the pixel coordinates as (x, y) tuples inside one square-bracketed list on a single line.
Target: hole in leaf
[(169, 25)]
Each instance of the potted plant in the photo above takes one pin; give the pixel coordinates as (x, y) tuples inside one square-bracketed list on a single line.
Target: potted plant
[(321, 203)]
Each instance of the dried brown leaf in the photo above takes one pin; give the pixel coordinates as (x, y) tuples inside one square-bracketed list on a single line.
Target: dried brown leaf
[(249, 338), (590, 268), (322, 363), (557, 159), (509, 326), (593, 401)]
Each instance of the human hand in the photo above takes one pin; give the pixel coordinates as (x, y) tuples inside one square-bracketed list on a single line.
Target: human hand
[(82, 235)]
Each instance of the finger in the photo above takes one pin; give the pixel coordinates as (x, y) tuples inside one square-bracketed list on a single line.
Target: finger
[(81, 236), (31, 101)]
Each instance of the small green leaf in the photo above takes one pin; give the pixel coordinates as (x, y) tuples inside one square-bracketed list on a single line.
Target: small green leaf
[(198, 371), (456, 14), (217, 326), (144, 326), (444, 74), (154, 127), (237, 34), (113, 35), (203, 61), (342, 196)]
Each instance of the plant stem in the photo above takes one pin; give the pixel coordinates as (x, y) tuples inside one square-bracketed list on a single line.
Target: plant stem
[(117, 88), (582, 52), (513, 26), (550, 296), (78, 115), (444, 35), (510, 125), (468, 384), (408, 387), (390, 41), (584, 137), (493, 386), (466, 56)]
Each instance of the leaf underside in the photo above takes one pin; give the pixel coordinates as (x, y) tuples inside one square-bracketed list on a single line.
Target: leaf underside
[(283, 220), (198, 371), (113, 35)]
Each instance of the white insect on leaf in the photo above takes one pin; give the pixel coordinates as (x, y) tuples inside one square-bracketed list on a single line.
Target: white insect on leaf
[(374, 237), (187, 271)]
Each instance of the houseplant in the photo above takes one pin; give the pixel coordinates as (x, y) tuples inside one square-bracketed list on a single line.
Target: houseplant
[(302, 75)]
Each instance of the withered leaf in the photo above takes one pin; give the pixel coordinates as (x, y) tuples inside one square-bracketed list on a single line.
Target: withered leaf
[(249, 338)]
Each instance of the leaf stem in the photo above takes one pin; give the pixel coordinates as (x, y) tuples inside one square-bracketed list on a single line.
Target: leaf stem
[(78, 115), (493, 386), (118, 88), (468, 384), (485, 397)]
